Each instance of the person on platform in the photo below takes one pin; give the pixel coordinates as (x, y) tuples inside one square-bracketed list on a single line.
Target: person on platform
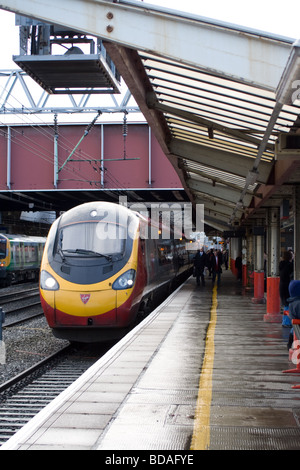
[(200, 262), (217, 262), (210, 255), (285, 274)]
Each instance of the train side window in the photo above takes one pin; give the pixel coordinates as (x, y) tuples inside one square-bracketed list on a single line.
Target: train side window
[(165, 255)]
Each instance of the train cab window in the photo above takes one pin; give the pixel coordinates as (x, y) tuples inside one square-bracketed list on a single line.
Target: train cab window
[(91, 238), (2, 248)]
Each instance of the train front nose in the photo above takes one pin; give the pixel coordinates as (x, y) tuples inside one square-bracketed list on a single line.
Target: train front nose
[(85, 307), (69, 304)]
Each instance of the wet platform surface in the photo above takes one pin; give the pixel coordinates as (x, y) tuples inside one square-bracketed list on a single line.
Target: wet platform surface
[(203, 371)]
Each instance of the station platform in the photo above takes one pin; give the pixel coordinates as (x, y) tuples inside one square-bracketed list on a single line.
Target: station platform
[(201, 372)]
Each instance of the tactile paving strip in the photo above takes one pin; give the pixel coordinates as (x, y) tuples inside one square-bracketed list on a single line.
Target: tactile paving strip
[(254, 438), (257, 399)]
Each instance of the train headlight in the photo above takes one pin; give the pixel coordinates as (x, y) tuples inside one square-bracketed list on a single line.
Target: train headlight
[(48, 282), (125, 281)]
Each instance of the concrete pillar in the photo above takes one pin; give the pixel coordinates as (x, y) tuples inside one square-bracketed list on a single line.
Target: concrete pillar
[(259, 274), (273, 252), (250, 260)]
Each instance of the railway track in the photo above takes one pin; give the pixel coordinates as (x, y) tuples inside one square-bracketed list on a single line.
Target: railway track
[(25, 395), (17, 295), (20, 306)]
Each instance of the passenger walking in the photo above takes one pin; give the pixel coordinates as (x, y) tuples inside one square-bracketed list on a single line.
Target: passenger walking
[(200, 262), (210, 256), (217, 262), (285, 273)]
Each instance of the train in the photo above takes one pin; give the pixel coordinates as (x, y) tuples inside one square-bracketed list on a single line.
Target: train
[(20, 258), (100, 268)]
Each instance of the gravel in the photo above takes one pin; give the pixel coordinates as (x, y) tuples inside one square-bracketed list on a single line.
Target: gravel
[(25, 345)]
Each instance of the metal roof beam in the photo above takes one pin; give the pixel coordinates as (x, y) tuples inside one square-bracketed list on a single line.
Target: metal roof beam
[(201, 198), (243, 136), (131, 68), (218, 190), (213, 158), (214, 216), (212, 208), (215, 223), (214, 205), (215, 179), (243, 55)]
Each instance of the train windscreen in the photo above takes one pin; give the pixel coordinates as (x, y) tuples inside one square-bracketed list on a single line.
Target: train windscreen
[(92, 239), (2, 248)]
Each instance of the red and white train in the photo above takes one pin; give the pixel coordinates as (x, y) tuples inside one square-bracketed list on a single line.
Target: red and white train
[(100, 266)]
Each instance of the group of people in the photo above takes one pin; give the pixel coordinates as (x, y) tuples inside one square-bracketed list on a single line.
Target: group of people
[(289, 289), (212, 260)]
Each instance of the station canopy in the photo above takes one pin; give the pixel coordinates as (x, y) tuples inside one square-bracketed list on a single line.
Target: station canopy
[(221, 99)]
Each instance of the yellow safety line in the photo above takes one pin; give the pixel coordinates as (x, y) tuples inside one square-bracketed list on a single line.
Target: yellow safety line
[(201, 434)]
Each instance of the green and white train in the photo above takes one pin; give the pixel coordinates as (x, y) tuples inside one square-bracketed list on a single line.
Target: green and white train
[(20, 258)]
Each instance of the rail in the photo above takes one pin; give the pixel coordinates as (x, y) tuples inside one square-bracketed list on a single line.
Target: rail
[(27, 394)]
